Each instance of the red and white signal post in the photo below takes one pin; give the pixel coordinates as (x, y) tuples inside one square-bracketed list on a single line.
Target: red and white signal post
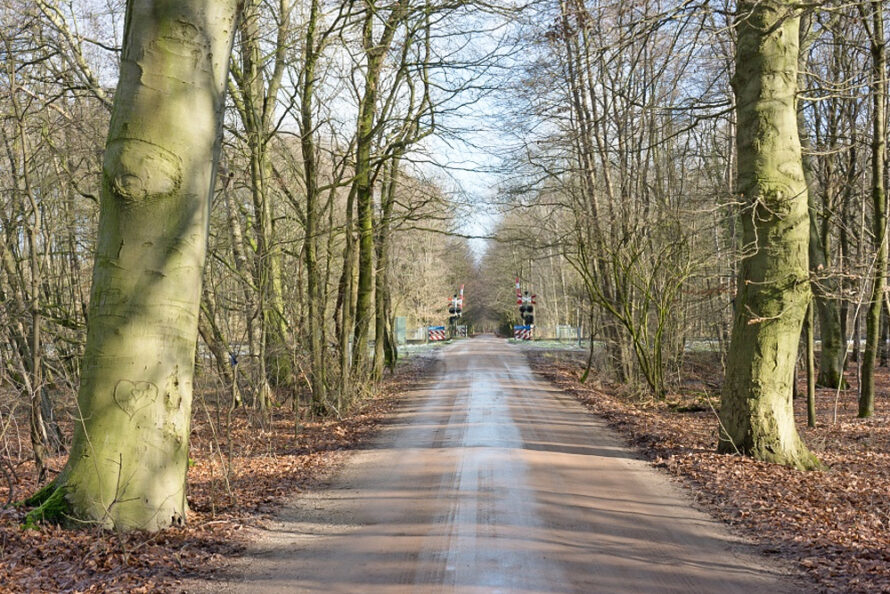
[(526, 304), (456, 308)]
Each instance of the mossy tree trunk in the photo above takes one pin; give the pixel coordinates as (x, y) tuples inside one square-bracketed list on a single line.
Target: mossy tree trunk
[(314, 281), (823, 285), (366, 130), (382, 354), (255, 98), (833, 351), (128, 461), (364, 196), (756, 410), (345, 307), (879, 203)]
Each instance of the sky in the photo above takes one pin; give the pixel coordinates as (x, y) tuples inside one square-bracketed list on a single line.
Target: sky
[(469, 157)]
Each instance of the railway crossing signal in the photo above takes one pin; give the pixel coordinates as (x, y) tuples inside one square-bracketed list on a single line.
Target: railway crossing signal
[(455, 308), (526, 304), (527, 309)]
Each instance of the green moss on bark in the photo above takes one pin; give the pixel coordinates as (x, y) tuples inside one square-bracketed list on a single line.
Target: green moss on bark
[(41, 495), (756, 413), (52, 506)]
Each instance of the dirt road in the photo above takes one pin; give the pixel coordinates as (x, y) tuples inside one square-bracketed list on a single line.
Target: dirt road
[(489, 480)]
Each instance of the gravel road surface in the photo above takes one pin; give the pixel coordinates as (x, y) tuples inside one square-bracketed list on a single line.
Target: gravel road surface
[(488, 479)]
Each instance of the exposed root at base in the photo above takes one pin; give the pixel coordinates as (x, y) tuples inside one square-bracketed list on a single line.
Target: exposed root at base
[(51, 506)]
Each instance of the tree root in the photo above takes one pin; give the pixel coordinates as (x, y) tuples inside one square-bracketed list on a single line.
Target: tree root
[(51, 506)]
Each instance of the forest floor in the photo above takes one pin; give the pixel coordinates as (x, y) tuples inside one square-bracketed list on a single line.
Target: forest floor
[(834, 525), (242, 471)]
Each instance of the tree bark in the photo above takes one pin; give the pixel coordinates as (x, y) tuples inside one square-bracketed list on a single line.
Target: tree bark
[(345, 306), (375, 54), (314, 280), (823, 285), (364, 202), (811, 367), (128, 462), (884, 347), (257, 98), (879, 202), (382, 354), (756, 410)]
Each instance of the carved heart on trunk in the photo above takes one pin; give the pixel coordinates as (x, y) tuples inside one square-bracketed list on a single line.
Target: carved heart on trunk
[(132, 397)]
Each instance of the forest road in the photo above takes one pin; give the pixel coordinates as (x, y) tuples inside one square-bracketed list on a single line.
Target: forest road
[(488, 479)]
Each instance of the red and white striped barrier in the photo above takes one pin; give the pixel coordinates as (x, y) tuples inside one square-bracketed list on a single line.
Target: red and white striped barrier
[(522, 332), (436, 333)]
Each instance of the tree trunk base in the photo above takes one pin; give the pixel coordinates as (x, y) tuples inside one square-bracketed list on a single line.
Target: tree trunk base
[(831, 379), (769, 451)]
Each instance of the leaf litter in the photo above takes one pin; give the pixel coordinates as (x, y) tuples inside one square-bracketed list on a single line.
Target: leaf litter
[(232, 485)]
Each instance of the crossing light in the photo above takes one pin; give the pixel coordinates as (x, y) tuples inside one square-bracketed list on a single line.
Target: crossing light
[(456, 307), (526, 306)]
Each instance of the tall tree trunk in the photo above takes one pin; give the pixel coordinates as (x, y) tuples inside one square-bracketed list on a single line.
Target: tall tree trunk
[(315, 288), (381, 312), (884, 348), (756, 410), (365, 205), (257, 97), (811, 367), (845, 253), (823, 285), (375, 54), (128, 461), (879, 202), (345, 309)]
